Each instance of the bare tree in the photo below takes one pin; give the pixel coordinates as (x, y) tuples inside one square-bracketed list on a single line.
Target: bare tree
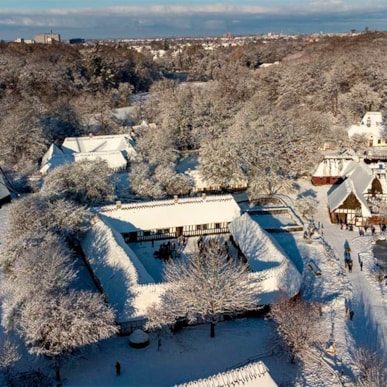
[(381, 207), (298, 323), (204, 287), (372, 366), (306, 206), (41, 264), (84, 182), (56, 326), (22, 140), (9, 355), (270, 184), (46, 214), (220, 163)]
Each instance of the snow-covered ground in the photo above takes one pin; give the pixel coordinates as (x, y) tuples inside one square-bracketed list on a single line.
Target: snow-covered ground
[(190, 353)]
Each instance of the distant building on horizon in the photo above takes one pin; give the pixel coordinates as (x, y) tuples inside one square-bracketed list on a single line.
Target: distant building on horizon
[(47, 38), (76, 41)]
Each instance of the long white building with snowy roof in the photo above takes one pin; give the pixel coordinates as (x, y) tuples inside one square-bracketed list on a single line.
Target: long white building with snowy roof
[(127, 285), (162, 219), (116, 150)]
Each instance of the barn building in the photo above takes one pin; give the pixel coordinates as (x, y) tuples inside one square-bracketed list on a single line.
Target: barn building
[(116, 150), (353, 201), (331, 169), (123, 276)]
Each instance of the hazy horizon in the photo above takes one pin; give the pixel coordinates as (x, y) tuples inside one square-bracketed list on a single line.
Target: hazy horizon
[(103, 19)]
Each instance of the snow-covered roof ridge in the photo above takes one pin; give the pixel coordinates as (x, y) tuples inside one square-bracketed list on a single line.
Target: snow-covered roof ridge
[(253, 374), (4, 191), (359, 178), (116, 266), (115, 149), (53, 151), (271, 267), (330, 167), (170, 213), (166, 202)]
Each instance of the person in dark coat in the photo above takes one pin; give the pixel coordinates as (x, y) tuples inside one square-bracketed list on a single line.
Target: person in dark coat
[(118, 368), (351, 313)]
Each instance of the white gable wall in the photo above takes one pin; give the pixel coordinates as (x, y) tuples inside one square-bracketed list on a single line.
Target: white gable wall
[(372, 127)]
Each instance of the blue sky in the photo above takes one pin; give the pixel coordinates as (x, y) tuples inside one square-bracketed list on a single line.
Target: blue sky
[(154, 18)]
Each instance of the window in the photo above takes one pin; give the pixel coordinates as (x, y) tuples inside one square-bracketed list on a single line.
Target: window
[(217, 225), (368, 122), (198, 227), (379, 141)]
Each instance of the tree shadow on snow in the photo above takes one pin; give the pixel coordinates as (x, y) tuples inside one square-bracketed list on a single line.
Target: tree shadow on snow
[(363, 327), (310, 193)]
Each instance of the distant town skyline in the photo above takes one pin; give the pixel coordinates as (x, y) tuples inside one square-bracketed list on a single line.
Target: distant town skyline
[(104, 19)]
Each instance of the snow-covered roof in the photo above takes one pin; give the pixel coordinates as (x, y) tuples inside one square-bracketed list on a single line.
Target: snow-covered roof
[(114, 149), (52, 152), (332, 167), (251, 375), (114, 159), (124, 113), (4, 191), (117, 142), (370, 125), (276, 273), (179, 212), (117, 268), (359, 178)]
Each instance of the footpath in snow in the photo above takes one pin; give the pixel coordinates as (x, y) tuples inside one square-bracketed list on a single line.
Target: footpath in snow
[(360, 291)]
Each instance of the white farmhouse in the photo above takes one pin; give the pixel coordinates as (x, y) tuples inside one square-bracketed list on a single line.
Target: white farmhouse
[(371, 126), (122, 276), (116, 150)]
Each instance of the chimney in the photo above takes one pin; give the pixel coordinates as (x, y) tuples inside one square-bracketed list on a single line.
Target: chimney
[(118, 204), (175, 199), (204, 197)]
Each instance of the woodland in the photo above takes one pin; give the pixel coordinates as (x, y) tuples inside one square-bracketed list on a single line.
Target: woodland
[(241, 120)]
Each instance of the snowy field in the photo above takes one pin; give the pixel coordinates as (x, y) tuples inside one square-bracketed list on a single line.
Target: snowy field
[(191, 354)]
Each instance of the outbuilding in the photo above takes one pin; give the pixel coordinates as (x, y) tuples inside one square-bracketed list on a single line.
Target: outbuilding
[(5, 194), (166, 219), (352, 201)]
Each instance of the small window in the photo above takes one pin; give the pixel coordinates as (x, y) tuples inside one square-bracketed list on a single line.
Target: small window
[(369, 122), (379, 141), (147, 233), (217, 225), (199, 227)]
